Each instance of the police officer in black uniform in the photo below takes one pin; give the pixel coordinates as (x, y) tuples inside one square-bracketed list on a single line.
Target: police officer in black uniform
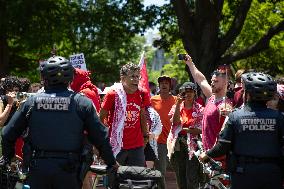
[(254, 137), (56, 120)]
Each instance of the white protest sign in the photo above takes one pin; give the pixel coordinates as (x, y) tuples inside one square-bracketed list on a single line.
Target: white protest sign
[(78, 61)]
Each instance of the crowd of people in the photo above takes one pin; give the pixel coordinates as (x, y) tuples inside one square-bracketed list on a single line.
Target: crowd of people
[(132, 127)]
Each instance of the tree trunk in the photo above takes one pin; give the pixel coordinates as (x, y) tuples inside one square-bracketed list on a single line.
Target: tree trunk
[(199, 27), (4, 49), (4, 56)]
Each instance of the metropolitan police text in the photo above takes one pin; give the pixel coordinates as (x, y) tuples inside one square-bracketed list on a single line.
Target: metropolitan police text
[(258, 124)]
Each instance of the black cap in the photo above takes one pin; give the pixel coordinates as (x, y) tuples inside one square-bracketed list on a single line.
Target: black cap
[(187, 85)]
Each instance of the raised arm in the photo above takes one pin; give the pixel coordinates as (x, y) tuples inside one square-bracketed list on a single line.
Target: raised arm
[(199, 77), (6, 111)]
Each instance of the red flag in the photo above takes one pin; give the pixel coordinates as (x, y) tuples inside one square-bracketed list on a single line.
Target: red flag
[(143, 83)]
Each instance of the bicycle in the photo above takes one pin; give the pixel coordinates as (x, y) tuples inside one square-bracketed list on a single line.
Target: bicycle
[(129, 177), (11, 176), (214, 171)]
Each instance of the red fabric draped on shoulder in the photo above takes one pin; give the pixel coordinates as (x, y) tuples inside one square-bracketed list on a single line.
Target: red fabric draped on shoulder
[(82, 83)]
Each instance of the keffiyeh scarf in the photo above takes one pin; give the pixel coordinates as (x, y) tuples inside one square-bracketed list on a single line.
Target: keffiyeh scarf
[(155, 123), (197, 114), (118, 118)]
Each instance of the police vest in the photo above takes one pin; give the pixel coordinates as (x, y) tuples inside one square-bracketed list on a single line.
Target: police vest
[(54, 123), (257, 134)]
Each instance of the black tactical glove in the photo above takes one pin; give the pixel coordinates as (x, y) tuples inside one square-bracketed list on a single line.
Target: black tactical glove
[(112, 177)]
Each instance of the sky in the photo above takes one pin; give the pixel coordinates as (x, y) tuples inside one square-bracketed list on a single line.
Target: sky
[(152, 32), (155, 2)]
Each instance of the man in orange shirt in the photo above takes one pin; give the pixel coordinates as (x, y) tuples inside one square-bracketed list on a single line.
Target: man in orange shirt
[(163, 103)]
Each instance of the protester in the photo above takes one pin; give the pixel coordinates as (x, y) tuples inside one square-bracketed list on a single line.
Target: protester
[(217, 107), (82, 83), (153, 88), (155, 129), (24, 84), (254, 136), (277, 102), (34, 87), (186, 127), (57, 119), (8, 102), (5, 109), (163, 103), (124, 109), (230, 90), (200, 97), (280, 91), (174, 86), (238, 96), (10, 86), (104, 92), (238, 80), (217, 104)]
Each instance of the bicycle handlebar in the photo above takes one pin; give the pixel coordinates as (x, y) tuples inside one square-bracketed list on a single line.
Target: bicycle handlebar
[(213, 168)]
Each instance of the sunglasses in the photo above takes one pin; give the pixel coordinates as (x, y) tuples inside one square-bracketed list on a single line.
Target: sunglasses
[(134, 77), (218, 73), (222, 70)]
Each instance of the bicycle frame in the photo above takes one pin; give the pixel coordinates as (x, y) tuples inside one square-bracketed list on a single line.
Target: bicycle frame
[(14, 175), (213, 169), (214, 177)]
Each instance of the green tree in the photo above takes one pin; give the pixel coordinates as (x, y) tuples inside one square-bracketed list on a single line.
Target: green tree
[(105, 31), (176, 68), (222, 32)]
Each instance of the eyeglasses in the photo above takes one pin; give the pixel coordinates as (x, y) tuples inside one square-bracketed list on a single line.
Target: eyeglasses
[(134, 77)]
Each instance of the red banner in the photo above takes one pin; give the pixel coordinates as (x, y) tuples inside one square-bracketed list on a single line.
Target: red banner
[(143, 83)]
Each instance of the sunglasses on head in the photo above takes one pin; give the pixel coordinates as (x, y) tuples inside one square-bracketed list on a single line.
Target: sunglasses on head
[(222, 69), (218, 73)]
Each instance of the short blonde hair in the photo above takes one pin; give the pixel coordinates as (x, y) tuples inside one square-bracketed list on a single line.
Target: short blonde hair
[(238, 75)]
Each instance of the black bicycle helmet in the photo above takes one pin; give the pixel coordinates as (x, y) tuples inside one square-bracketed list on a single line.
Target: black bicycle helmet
[(56, 71), (261, 86)]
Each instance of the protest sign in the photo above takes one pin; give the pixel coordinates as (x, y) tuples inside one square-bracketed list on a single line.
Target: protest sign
[(78, 61)]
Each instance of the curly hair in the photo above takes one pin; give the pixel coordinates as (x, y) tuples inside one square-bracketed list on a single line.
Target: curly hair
[(9, 83), (280, 80), (25, 84), (128, 67)]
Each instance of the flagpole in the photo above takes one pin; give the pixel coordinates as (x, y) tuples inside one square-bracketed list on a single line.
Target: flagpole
[(226, 86), (141, 60)]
